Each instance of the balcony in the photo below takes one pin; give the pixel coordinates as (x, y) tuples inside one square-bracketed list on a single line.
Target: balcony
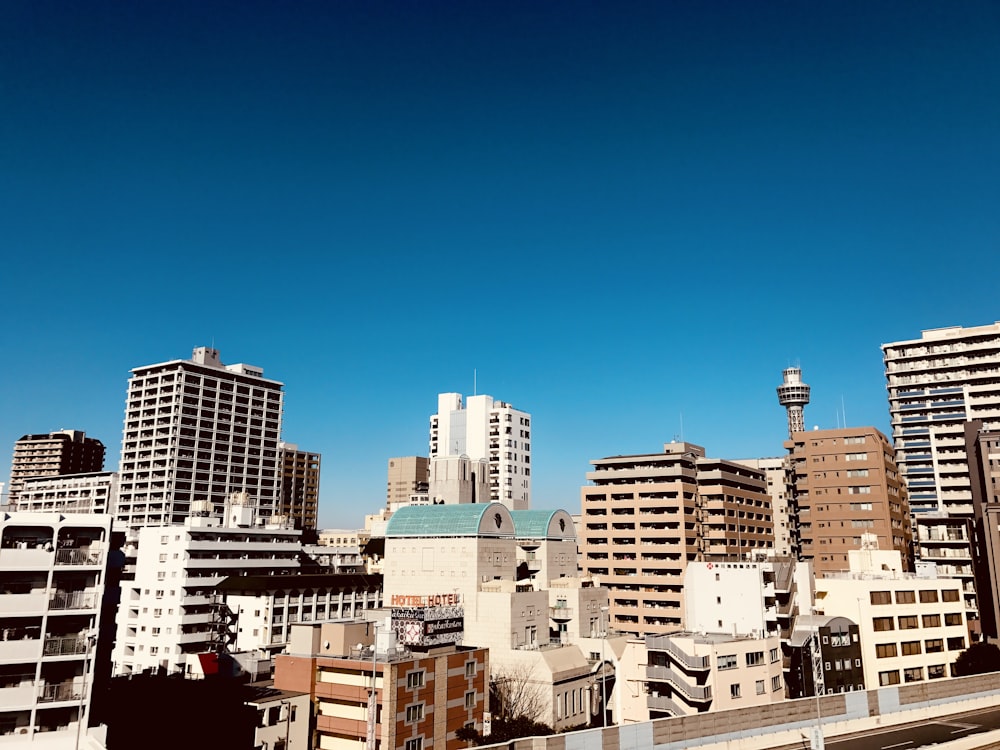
[(62, 600), (65, 645), (25, 559), (79, 557), (66, 691), (561, 613)]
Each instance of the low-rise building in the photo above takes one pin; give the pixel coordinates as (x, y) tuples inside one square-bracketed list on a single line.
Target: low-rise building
[(912, 626), (95, 492), (826, 657), (367, 688)]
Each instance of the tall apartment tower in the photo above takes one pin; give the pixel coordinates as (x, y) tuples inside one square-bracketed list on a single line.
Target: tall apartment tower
[(54, 454), (491, 430), (406, 477), (645, 517), (198, 430), (983, 449), (936, 384), (846, 485), (793, 394), (299, 485)]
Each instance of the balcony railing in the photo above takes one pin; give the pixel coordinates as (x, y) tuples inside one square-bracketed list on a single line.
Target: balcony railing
[(73, 600), (64, 645), (78, 557), (62, 692)]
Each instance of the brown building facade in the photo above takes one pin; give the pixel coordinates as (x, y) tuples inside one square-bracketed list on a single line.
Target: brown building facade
[(406, 476), (422, 696), (299, 485), (847, 484), (54, 454), (645, 517), (983, 449)]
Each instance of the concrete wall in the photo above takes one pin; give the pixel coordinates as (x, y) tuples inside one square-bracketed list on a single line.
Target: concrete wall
[(788, 722)]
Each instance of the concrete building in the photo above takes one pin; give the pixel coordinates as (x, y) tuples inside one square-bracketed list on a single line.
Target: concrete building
[(52, 571), (846, 485), (793, 394), (912, 626), (515, 575), (983, 449), (198, 430), (54, 454), (456, 480), (936, 384), (172, 614), (282, 717), (780, 483), (485, 429), (692, 672), (645, 517), (267, 606), (406, 481), (368, 689), (826, 657), (95, 492), (299, 492)]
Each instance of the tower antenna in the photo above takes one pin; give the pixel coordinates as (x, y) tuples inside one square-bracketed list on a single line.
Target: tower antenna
[(793, 394)]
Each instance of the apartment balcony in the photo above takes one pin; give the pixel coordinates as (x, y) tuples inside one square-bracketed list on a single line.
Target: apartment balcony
[(35, 602), (80, 557), (61, 692), (63, 600), (25, 559), (19, 696), (65, 645), (22, 649), (561, 613)]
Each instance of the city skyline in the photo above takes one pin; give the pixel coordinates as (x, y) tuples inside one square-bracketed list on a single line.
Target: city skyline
[(624, 222)]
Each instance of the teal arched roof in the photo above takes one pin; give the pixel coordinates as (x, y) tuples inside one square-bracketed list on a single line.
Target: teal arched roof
[(538, 524), (445, 520)]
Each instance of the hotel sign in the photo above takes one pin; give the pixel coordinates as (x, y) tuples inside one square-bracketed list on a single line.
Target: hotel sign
[(428, 626), (429, 600)]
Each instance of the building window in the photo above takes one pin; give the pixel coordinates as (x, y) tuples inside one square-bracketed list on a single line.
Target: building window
[(913, 674), (890, 677), (911, 648), (734, 690), (880, 597), (776, 683), (935, 671), (415, 713), (956, 644), (727, 662), (470, 699), (417, 743), (754, 658), (470, 669), (906, 597), (774, 655), (415, 679), (932, 621), (885, 650), (908, 623), (953, 618), (928, 597), (934, 646), (880, 624), (949, 595), (760, 687)]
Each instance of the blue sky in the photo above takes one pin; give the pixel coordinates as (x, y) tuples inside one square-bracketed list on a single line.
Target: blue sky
[(624, 216)]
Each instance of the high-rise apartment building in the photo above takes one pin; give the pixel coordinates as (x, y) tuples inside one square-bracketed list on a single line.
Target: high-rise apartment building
[(936, 384), (95, 492), (645, 517), (983, 449), (486, 429), (846, 485), (54, 454), (53, 568), (299, 485), (781, 487), (198, 430), (406, 478)]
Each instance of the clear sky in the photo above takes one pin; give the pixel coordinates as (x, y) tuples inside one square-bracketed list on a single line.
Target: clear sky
[(627, 217)]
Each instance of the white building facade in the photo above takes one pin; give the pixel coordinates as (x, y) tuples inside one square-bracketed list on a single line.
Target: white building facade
[(936, 384), (52, 569), (198, 430), (172, 614), (483, 428), (95, 492)]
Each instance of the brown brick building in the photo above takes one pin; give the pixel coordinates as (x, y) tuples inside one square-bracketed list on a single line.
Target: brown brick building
[(423, 696), (847, 484)]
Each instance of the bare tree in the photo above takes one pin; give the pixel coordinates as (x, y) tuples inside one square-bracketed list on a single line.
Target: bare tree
[(514, 694)]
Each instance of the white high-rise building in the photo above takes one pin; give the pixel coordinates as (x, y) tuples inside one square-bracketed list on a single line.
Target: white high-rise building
[(936, 384), (172, 614), (198, 430), (485, 429)]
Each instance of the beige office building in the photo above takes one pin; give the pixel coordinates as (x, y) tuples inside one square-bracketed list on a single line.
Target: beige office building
[(406, 477), (846, 485), (299, 490), (645, 517)]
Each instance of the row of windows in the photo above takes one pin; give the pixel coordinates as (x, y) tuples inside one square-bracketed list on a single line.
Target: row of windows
[(927, 596)]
